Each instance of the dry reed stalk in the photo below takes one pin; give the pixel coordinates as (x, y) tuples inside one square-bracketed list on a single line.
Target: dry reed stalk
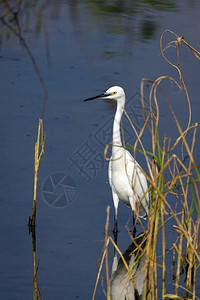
[(179, 252), (100, 268), (106, 248), (36, 292), (35, 286), (38, 155), (196, 230), (163, 248), (189, 263)]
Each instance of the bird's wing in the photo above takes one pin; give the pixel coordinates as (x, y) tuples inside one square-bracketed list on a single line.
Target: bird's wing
[(138, 182)]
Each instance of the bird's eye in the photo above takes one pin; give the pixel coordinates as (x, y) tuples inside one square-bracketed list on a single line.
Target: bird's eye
[(114, 93)]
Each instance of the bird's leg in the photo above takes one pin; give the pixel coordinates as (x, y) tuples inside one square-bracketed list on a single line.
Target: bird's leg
[(134, 226), (132, 203), (116, 202), (115, 230), (115, 233)]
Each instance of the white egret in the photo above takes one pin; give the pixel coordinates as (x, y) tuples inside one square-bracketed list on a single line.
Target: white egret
[(127, 181)]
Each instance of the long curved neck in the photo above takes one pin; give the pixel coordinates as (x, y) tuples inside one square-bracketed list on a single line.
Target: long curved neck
[(117, 151), (116, 126)]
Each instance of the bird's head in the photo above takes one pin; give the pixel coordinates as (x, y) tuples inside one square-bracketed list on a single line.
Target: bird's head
[(113, 93)]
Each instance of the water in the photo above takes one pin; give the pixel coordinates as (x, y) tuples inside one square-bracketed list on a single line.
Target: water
[(81, 48)]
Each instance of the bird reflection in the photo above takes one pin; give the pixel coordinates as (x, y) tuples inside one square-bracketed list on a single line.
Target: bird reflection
[(121, 286)]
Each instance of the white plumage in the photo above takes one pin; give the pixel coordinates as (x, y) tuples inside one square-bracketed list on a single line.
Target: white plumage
[(127, 181)]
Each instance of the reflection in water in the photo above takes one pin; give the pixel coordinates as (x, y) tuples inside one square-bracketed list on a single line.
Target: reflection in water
[(130, 7), (21, 17), (121, 286), (122, 22), (13, 20), (36, 292), (147, 25)]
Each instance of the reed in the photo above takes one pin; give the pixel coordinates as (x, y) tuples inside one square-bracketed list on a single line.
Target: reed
[(39, 150), (174, 200)]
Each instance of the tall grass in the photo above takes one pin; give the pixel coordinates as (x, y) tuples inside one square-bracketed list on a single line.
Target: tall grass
[(174, 199)]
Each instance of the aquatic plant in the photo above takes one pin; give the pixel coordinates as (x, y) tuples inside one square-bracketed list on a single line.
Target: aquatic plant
[(174, 213)]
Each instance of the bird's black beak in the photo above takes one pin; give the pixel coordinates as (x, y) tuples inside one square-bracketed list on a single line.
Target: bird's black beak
[(103, 96)]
